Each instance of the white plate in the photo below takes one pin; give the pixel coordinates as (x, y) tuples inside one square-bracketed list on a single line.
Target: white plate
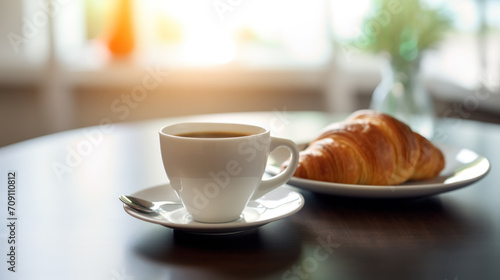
[(463, 167), (277, 204)]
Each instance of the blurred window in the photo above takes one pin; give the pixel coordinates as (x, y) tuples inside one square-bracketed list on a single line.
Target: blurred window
[(255, 33)]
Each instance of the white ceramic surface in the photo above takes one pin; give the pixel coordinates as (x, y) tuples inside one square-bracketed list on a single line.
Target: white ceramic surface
[(277, 204), (463, 167), (216, 177)]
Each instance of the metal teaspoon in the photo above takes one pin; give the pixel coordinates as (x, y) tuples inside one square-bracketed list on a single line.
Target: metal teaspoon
[(143, 205)]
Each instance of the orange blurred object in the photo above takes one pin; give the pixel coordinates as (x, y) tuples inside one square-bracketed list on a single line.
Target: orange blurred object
[(121, 41)]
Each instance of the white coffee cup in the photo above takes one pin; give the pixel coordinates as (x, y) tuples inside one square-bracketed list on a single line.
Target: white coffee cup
[(216, 177)]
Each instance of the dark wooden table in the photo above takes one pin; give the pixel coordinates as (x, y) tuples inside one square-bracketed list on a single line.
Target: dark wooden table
[(67, 221)]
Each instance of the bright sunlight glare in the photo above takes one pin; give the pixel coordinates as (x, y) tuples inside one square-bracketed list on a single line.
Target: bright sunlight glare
[(208, 49), (207, 38)]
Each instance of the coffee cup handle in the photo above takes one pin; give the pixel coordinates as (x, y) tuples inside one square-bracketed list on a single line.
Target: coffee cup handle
[(276, 181)]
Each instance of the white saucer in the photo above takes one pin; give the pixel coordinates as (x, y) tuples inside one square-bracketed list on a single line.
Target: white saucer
[(463, 167), (277, 204)]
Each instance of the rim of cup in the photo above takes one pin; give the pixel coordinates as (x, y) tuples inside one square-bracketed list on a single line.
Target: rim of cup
[(189, 127)]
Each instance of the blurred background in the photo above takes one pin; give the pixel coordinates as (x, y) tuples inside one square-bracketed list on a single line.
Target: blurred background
[(66, 64)]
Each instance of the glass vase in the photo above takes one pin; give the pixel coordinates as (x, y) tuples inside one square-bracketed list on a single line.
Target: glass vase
[(401, 94)]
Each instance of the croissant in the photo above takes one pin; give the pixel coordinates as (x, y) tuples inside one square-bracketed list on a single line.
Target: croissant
[(369, 148)]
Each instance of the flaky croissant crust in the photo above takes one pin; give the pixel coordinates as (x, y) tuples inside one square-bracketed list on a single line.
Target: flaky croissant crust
[(369, 148)]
